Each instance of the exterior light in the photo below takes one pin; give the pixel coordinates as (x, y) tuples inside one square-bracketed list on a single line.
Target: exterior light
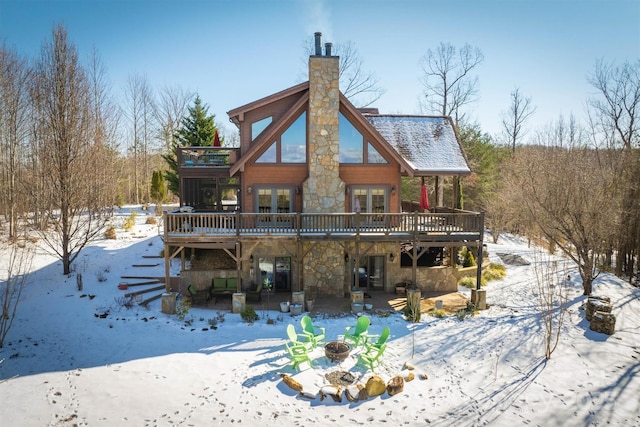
[(391, 257)]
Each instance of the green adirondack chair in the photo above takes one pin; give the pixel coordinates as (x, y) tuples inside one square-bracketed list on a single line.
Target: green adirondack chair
[(381, 339), (298, 339), (357, 334), (371, 357), (315, 334), (297, 349)]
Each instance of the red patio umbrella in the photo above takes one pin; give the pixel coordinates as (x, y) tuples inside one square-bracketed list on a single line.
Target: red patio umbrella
[(424, 198), (216, 140)]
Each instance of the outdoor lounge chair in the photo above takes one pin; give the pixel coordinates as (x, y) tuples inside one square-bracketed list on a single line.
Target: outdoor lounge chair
[(298, 339), (371, 357), (381, 339), (197, 297), (316, 334), (296, 348), (255, 294), (297, 354), (357, 334)]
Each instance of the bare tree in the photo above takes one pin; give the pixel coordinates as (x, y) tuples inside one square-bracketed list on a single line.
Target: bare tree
[(20, 260), (449, 84), (615, 119), (15, 75), (139, 111), (552, 298), (514, 119), (560, 188), (361, 87), (62, 143), (170, 109)]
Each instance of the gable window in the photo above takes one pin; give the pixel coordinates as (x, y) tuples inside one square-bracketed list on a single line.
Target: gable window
[(259, 126), (291, 146), (293, 142), (353, 148)]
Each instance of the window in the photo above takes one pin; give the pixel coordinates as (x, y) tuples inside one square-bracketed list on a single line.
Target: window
[(259, 126), (351, 140), (353, 148), (291, 146), (268, 156), (369, 200), (275, 201), (293, 142), (373, 156)]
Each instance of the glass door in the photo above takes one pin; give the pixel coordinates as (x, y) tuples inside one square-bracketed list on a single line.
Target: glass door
[(275, 274)]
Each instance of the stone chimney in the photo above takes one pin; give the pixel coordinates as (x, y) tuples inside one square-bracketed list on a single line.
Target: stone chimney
[(323, 191)]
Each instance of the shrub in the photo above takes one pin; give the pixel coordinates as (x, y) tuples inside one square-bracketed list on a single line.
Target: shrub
[(183, 307), (126, 302), (249, 314), (130, 221), (151, 220), (439, 313), (412, 313), (110, 234)]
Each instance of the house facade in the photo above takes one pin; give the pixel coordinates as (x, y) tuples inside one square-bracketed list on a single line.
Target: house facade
[(310, 200)]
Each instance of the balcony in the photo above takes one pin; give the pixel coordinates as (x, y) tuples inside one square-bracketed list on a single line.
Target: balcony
[(206, 157), (447, 228)]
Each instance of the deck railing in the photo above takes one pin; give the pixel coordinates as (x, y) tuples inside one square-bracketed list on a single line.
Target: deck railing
[(182, 225), (206, 156)]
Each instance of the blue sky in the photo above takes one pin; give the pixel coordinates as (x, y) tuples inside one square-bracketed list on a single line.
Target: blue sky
[(234, 52)]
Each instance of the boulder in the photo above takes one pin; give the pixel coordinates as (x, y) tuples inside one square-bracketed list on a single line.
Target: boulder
[(409, 377), (332, 391), (375, 386), (603, 322), (395, 385), (293, 384), (595, 303), (355, 392)]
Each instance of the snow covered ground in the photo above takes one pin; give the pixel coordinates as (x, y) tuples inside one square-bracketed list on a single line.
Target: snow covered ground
[(63, 365)]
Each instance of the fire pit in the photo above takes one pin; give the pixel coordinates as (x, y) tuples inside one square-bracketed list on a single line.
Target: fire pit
[(337, 351)]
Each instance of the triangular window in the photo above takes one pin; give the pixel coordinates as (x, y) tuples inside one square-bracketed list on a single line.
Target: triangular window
[(268, 156), (373, 156)]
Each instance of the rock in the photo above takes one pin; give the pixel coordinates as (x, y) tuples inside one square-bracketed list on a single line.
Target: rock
[(595, 303), (355, 392), (603, 322), (333, 391), (424, 377), (409, 377), (307, 395), (395, 386), (293, 384), (409, 367), (375, 386)]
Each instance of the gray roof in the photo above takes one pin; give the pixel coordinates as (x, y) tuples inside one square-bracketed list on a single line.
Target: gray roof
[(429, 144)]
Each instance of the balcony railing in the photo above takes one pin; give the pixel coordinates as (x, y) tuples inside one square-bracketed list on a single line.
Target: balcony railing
[(206, 156), (212, 227)]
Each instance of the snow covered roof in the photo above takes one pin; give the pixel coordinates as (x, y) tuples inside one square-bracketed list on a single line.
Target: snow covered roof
[(428, 143)]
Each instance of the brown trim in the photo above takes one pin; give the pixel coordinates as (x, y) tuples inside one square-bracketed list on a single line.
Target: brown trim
[(267, 137), (237, 114)]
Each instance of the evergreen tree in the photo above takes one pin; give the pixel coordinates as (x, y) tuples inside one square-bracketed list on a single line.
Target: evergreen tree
[(197, 129)]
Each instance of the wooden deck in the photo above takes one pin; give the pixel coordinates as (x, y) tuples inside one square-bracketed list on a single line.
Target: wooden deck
[(450, 228)]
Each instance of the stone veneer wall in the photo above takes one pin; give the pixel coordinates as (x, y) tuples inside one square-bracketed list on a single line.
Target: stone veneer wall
[(323, 191)]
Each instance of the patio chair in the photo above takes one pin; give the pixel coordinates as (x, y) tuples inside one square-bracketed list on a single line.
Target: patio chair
[(255, 295), (197, 297), (357, 334), (298, 339), (381, 339), (297, 354), (371, 357), (316, 334)]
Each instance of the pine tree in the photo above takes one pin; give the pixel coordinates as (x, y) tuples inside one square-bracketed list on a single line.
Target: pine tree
[(197, 129)]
